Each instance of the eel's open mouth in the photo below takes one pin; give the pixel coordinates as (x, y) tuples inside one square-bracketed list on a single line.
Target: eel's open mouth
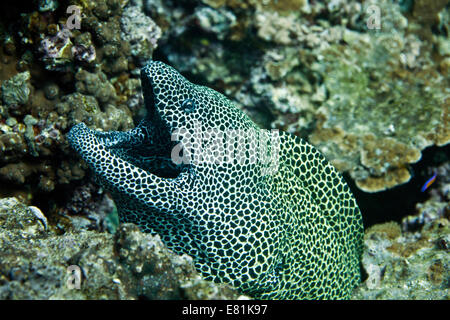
[(148, 146)]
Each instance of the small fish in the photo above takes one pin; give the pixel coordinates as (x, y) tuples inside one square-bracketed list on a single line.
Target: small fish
[(428, 183)]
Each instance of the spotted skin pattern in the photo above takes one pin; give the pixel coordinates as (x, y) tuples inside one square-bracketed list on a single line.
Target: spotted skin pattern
[(294, 233)]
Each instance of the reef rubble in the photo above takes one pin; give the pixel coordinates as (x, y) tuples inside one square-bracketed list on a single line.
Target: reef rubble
[(39, 263)]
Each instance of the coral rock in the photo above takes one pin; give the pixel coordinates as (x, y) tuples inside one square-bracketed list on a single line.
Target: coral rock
[(17, 89), (39, 264)]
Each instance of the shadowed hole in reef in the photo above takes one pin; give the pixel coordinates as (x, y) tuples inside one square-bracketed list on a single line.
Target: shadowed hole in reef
[(396, 203)]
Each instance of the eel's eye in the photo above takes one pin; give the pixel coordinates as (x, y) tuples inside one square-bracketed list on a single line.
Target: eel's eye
[(188, 105)]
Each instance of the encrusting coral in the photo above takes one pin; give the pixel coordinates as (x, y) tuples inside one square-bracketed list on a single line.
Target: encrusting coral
[(54, 76)]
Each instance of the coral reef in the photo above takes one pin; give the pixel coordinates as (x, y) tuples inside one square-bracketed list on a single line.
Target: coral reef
[(140, 32), (37, 263), (411, 260), (89, 208), (406, 265), (370, 97), (96, 85), (387, 114), (56, 49), (54, 76)]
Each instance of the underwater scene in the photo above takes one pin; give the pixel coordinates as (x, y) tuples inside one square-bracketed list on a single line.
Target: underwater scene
[(225, 149)]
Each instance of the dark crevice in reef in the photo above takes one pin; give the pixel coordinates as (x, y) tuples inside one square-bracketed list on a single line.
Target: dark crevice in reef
[(159, 55), (396, 203), (51, 202)]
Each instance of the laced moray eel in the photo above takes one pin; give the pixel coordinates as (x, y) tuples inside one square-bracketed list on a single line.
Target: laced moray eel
[(293, 232)]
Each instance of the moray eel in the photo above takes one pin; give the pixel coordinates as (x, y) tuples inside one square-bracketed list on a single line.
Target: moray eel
[(280, 223)]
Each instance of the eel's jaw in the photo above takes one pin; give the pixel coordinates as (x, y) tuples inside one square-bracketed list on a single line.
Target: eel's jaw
[(91, 145), (117, 174), (77, 135), (80, 135)]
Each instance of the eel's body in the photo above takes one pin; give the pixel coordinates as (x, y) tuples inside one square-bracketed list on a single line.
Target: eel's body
[(287, 228)]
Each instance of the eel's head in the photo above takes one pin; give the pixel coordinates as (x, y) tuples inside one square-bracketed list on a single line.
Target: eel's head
[(173, 103), (180, 104)]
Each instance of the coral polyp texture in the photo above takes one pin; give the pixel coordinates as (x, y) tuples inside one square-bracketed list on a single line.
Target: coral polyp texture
[(291, 233), (54, 76)]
